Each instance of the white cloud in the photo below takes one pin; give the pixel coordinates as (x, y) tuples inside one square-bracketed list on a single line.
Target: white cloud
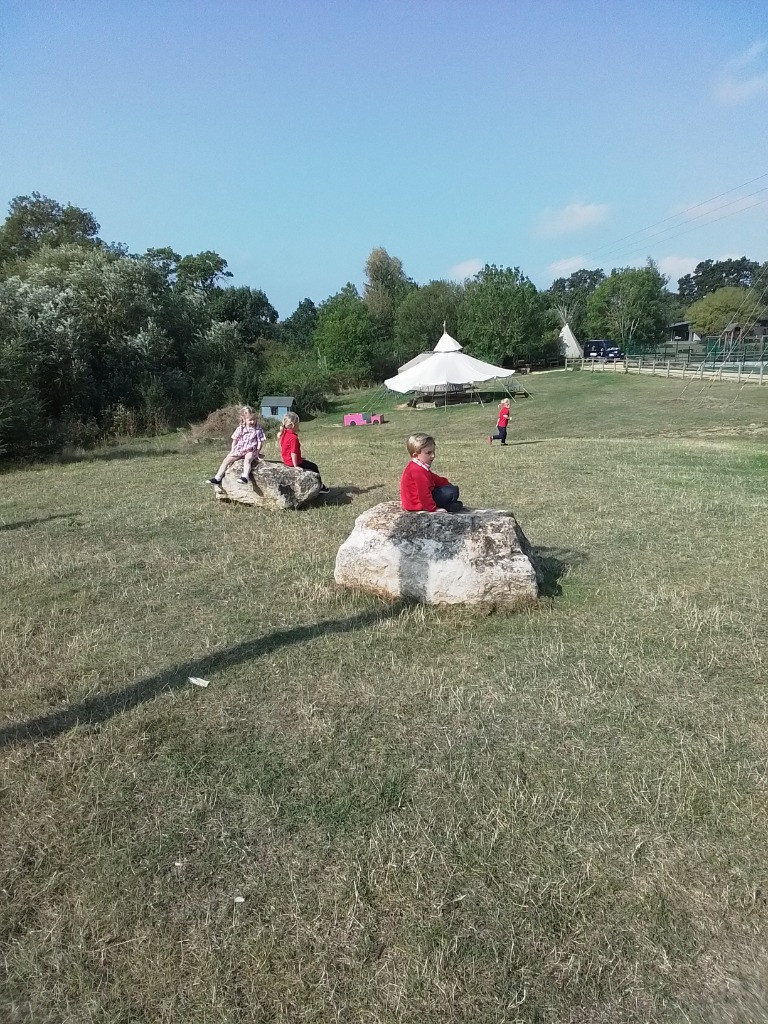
[(749, 55), (571, 218), (564, 268), (464, 270), (677, 266), (741, 80)]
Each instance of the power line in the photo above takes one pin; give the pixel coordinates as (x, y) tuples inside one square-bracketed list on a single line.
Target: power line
[(676, 216), (633, 250)]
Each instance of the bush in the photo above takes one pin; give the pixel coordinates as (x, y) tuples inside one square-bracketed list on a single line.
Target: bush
[(220, 424), (300, 377), (24, 427)]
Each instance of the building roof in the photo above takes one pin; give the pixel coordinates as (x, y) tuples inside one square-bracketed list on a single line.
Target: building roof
[(286, 400)]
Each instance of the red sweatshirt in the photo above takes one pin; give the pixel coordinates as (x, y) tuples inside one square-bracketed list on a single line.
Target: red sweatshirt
[(289, 443), (416, 486), (503, 416)]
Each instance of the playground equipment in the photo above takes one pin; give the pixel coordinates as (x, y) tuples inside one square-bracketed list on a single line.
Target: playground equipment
[(362, 419)]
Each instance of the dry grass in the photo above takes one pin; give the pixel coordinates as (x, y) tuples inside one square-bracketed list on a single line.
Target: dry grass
[(429, 815)]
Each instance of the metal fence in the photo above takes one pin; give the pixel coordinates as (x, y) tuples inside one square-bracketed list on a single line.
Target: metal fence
[(739, 372), (713, 350)]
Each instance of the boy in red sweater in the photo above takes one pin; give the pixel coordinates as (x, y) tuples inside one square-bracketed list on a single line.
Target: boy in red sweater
[(421, 490)]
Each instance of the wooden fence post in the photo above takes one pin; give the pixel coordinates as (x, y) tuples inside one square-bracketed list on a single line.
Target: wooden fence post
[(667, 368)]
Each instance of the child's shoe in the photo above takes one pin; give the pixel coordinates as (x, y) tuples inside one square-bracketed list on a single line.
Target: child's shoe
[(490, 439), (244, 480), (455, 506), (325, 490), (215, 481)]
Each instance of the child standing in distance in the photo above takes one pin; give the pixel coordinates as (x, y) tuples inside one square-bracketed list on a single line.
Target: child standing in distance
[(421, 490), (247, 442), (501, 423), (290, 447)]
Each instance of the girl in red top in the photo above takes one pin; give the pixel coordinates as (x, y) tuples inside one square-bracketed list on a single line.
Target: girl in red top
[(421, 490), (501, 423), (290, 447)]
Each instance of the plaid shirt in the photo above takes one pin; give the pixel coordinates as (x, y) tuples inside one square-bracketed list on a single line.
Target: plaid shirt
[(247, 439)]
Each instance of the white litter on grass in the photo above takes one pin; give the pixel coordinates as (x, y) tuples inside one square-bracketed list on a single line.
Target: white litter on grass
[(198, 682), (239, 899)]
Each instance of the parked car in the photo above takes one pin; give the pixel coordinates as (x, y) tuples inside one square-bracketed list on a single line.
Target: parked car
[(602, 348)]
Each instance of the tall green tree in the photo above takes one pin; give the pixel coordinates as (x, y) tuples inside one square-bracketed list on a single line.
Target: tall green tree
[(35, 220), (165, 261), (710, 275), (420, 317), (503, 316), (298, 329), (386, 287), (249, 308), (346, 338), (631, 306), (567, 298), (201, 272), (714, 312)]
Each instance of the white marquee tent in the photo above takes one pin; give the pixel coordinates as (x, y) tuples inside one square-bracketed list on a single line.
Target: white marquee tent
[(446, 365)]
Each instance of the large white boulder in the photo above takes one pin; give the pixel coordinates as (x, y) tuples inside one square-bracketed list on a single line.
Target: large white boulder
[(478, 556), (271, 484)]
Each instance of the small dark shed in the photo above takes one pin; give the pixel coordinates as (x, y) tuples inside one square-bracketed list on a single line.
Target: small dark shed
[(274, 407)]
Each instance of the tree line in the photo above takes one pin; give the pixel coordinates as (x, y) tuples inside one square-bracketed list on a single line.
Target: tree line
[(96, 341)]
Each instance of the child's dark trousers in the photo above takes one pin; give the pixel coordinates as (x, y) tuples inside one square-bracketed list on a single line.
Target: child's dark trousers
[(445, 495)]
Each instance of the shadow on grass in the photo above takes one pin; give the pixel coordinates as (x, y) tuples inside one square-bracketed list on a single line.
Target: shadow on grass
[(344, 495), (104, 706), (24, 524), (552, 565), (114, 454)]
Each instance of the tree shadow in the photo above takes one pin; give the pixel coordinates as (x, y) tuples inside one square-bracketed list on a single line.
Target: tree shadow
[(551, 566), (115, 455), (24, 524), (103, 706), (344, 495)]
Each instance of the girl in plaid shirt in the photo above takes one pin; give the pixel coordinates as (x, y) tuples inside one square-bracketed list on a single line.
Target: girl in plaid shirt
[(247, 442)]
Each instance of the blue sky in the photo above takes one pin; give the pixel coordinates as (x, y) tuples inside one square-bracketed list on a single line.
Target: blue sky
[(293, 137)]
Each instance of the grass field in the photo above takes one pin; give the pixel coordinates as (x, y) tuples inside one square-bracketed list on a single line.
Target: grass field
[(386, 813)]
